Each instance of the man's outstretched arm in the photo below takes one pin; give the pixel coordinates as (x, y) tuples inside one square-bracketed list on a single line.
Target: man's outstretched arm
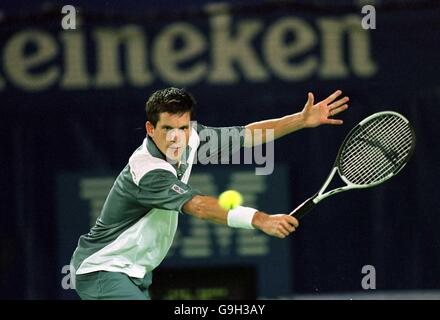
[(311, 116), (205, 207), (161, 189)]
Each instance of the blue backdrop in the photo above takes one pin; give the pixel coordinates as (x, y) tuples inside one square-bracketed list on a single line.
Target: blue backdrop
[(72, 101)]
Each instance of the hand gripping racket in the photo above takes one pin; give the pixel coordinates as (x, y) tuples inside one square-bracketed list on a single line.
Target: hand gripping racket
[(373, 152)]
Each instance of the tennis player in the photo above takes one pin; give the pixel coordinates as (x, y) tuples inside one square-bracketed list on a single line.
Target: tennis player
[(139, 218)]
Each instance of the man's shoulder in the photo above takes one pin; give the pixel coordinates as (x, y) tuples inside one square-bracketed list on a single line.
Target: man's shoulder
[(142, 162), (201, 127)]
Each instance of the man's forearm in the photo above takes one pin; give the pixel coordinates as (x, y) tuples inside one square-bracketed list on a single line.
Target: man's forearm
[(267, 130), (205, 207), (312, 115)]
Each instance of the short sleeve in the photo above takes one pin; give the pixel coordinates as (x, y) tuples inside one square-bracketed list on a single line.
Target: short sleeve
[(162, 190), (219, 142)]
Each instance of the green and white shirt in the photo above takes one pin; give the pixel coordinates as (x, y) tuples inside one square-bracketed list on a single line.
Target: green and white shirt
[(139, 218)]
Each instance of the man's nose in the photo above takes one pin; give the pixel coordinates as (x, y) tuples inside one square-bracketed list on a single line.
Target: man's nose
[(175, 135)]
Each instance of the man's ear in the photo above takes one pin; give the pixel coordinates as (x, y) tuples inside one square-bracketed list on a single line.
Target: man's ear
[(150, 128)]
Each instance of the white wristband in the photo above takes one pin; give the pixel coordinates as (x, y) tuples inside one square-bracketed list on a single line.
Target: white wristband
[(241, 217)]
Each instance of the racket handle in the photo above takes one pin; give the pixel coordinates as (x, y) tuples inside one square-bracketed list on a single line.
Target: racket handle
[(303, 208)]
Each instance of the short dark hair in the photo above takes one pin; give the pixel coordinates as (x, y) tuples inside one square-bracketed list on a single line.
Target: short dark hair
[(171, 100)]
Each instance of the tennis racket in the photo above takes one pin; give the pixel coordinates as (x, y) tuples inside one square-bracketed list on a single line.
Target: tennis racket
[(374, 151)]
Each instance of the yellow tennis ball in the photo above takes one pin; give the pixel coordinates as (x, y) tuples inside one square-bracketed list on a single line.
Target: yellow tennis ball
[(230, 199)]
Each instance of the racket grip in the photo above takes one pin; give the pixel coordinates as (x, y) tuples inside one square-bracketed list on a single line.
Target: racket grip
[(303, 208)]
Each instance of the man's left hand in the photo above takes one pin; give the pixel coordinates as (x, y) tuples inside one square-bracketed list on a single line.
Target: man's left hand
[(320, 113)]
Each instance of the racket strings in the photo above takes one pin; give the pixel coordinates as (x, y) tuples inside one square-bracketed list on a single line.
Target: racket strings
[(391, 159), (377, 149), (388, 166), (375, 152), (354, 149)]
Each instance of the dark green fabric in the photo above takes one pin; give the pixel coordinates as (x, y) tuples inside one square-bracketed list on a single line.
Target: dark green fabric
[(121, 210), (162, 190), (220, 143), (103, 285)]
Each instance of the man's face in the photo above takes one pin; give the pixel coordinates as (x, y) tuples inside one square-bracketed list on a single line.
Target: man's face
[(171, 134)]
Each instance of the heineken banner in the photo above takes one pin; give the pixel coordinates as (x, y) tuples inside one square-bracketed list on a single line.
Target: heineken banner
[(277, 49)]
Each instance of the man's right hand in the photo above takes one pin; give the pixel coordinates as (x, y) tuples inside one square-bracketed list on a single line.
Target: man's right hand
[(277, 225)]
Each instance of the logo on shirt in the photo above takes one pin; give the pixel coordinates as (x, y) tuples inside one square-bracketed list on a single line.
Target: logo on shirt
[(178, 189)]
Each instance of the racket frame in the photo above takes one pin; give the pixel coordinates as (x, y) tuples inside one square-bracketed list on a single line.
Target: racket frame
[(312, 201)]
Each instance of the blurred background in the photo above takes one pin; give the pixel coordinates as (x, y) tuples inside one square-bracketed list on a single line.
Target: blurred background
[(73, 90)]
